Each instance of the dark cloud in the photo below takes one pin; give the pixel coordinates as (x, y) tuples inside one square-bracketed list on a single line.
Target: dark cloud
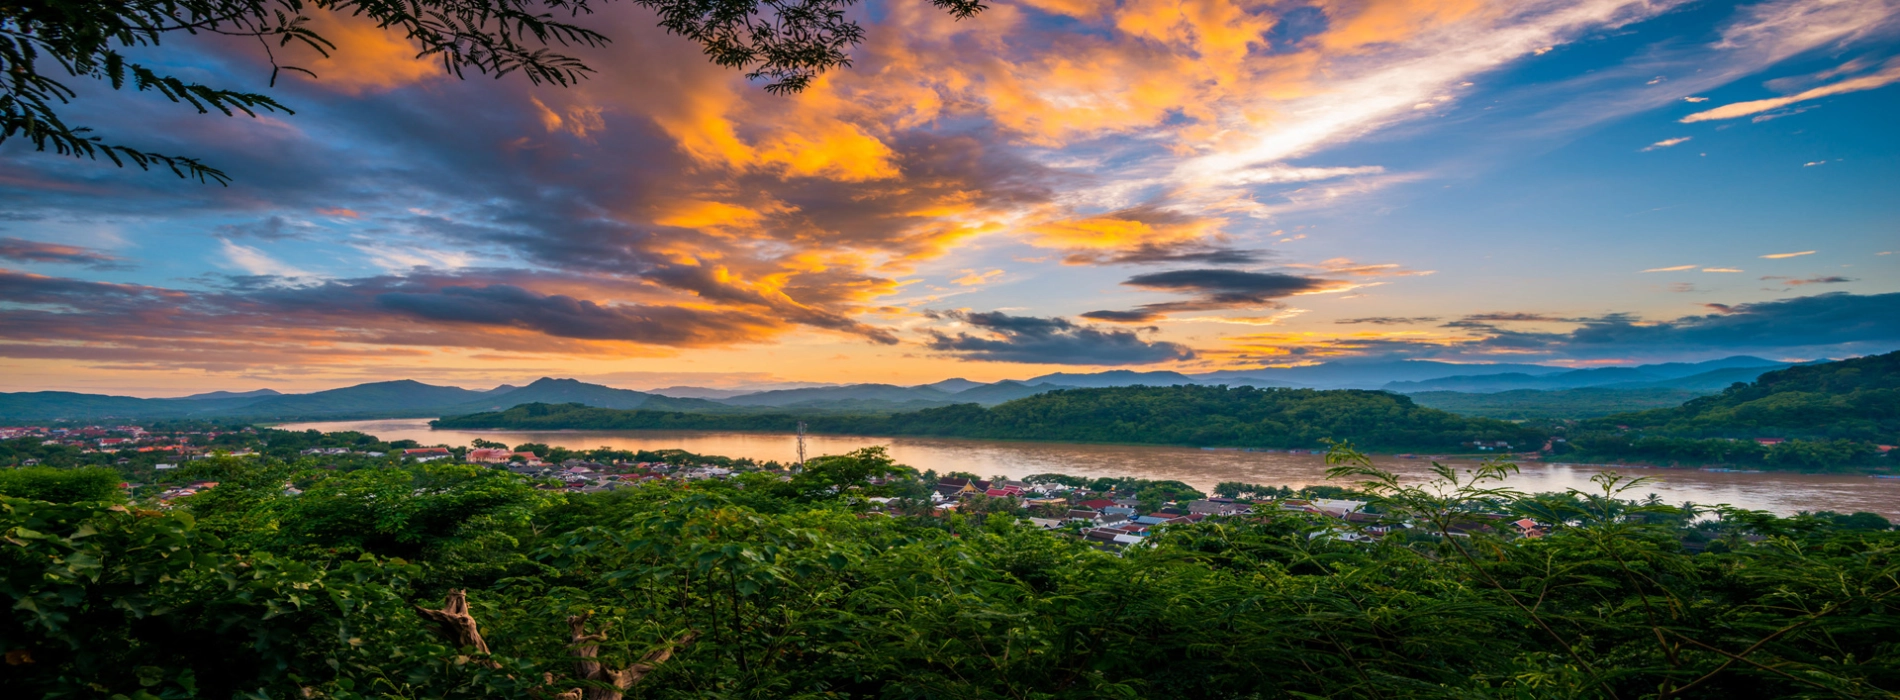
[(567, 317), (273, 228), (1834, 319), (22, 250), (1214, 289), (1162, 253), (1490, 321), (1034, 340), (1826, 325), (1509, 317), (1388, 320), (1793, 282), (261, 322)]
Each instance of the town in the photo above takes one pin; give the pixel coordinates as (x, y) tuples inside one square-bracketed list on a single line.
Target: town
[(1107, 513)]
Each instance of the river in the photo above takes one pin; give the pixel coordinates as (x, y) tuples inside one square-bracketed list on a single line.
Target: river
[(1776, 492)]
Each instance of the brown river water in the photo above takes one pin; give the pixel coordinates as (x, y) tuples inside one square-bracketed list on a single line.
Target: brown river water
[(1777, 492)]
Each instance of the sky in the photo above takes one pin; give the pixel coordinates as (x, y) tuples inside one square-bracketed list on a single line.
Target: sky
[(1053, 185)]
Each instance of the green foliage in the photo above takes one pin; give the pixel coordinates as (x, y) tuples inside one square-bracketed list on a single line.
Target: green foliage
[(1533, 404), (766, 588), (1177, 415), (62, 485), (828, 476)]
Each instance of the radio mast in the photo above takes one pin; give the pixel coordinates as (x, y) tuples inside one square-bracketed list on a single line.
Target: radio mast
[(801, 444)]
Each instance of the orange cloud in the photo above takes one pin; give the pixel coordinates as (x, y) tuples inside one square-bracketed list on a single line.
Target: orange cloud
[(1127, 228), (367, 58), (972, 278), (1358, 24)]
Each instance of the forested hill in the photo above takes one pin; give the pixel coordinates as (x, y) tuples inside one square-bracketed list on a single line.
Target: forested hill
[(1175, 415), (1857, 399)]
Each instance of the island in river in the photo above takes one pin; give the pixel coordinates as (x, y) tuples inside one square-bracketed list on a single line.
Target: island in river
[(1200, 416), (1769, 425)]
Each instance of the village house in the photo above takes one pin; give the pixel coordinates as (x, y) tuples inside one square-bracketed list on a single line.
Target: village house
[(487, 455), (427, 454), (1217, 507)]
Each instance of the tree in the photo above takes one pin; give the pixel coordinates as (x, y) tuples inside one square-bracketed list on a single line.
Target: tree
[(785, 43), (825, 476)]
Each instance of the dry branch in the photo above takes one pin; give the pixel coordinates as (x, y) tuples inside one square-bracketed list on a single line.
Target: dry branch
[(457, 624), (588, 667)]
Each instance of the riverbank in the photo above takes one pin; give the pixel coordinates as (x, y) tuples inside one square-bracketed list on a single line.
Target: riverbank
[(1780, 493)]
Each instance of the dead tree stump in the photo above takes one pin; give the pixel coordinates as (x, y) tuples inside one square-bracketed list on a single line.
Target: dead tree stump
[(588, 667), (458, 624)]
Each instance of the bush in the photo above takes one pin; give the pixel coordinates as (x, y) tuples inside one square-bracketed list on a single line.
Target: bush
[(62, 485)]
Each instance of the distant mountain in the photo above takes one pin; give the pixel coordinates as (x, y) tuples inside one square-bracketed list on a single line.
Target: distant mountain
[(1367, 374), (1711, 376), (1674, 370), (1706, 382), (1113, 378), (1006, 390), (951, 386), (401, 397), (259, 393), (559, 391), (67, 405), (503, 389), (852, 392), (700, 392)]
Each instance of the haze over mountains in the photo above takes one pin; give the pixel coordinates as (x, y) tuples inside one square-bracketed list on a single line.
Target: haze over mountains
[(409, 398)]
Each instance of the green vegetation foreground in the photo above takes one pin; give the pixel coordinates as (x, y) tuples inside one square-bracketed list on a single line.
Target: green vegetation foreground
[(1171, 415), (459, 581)]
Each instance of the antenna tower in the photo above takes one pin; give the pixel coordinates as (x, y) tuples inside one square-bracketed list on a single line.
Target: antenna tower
[(801, 444)]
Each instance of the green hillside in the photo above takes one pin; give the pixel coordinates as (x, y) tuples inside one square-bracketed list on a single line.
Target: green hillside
[(1857, 399), (1533, 404), (1826, 416), (1175, 415)]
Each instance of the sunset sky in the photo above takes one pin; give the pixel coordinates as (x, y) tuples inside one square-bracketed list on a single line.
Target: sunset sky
[(1054, 185)]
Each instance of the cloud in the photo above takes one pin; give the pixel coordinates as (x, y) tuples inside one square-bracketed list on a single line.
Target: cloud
[(1825, 279), (1677, 268), (1026, 339), (22, 250), (972, 278), (1149, 227), (1215, 289), (272, 228), (1161, 253), (349, 320), (1389, 320), (1827, 325), (1722, 269), (1778, 256), (1693, 99), (563, 316), (1837, 322), (1131, 133), (1665, 143), (1886, 76), (257, 262)]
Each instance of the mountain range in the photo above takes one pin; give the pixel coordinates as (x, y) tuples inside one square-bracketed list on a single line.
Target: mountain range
[(409, 398)]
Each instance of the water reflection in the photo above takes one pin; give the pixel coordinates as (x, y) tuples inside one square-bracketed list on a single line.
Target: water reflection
[(1780, 493)]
